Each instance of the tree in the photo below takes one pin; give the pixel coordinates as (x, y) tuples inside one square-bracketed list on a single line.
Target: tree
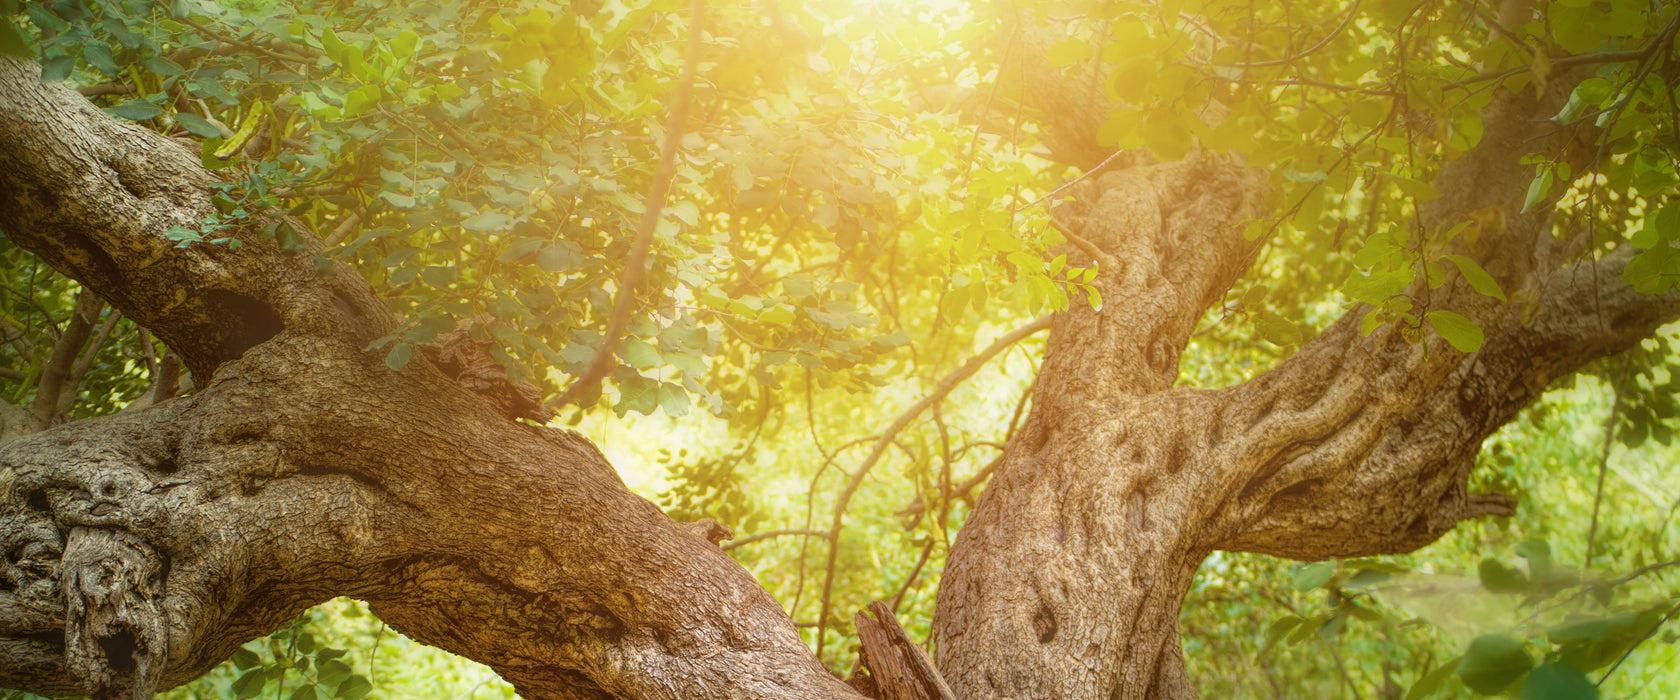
[(360, 281)]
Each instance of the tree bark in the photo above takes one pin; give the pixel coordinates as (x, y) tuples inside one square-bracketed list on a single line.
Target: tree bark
[(1068, 578), (143, 548)]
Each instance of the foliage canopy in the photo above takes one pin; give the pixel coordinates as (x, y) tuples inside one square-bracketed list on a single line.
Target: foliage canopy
[(862, 197)]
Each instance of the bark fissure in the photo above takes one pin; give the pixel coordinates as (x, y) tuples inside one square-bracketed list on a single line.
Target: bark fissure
[(1356, 445), (141, 549)]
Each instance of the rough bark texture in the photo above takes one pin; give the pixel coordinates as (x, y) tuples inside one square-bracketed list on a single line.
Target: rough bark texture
[(897, 668), (143, 548), (1067, 580)]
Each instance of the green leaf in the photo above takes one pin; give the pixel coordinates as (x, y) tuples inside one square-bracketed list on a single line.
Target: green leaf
[(490, 222), (438, 276), (1555, 681), (289, 238), (1278, 330), (1492, 663), (673, 400), (520, 248), (639, 354), (197, 125), (1537, 189), (100, 56), (1478, 278), (1575, 28), (361, 100), (331, 671), (1365, 578), (163, 66), (137, 110), (1377, 287), (57, 68), (1539, 556), (1276, 631), (250, 684), (245, 659), (355, 688), (1307, 628), (1313, 575), (305, 692), (1430, 682), (1422, 191), (1499, 578), (1463, 333), (639, 394), (403, 45), (399, 356), (1332, 627), (13, 42), (558, 257), (182, 236)]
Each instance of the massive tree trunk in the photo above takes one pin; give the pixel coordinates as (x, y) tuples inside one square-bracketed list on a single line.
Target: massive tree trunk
[(143, 548), (1067, 580)]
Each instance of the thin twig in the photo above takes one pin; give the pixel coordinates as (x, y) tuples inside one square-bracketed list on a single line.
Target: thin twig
[(927, 550), (653, 207), (1636, 645), (1104, 260), (1093, 171), (474, 691), (1604, 460), (249, 46), (343, 229), (807, 532), (1346, 20), (56, 373), (944, 388)]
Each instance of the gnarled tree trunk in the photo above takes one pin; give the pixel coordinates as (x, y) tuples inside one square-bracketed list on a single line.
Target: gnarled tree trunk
[(1067, 580), (141, 549)]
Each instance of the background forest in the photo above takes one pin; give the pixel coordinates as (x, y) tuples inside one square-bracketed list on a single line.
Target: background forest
[(855, 209)]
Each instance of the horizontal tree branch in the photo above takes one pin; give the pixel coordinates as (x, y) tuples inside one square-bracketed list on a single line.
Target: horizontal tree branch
[(1382, 468), (1362, 444)]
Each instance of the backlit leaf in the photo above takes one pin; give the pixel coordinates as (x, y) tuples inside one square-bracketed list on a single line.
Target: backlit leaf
[(1461, 332), (1478, 278), (1492, 663)]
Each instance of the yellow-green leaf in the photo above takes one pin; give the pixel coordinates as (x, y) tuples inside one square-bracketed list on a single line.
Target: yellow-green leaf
[(1478, 278), (1418, 189), (1463, 333)]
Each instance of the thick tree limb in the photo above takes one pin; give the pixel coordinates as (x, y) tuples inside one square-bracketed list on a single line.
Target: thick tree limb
[(304, 468), (1118, 485), (94, 196), (1386, 472), (1376, 436)]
